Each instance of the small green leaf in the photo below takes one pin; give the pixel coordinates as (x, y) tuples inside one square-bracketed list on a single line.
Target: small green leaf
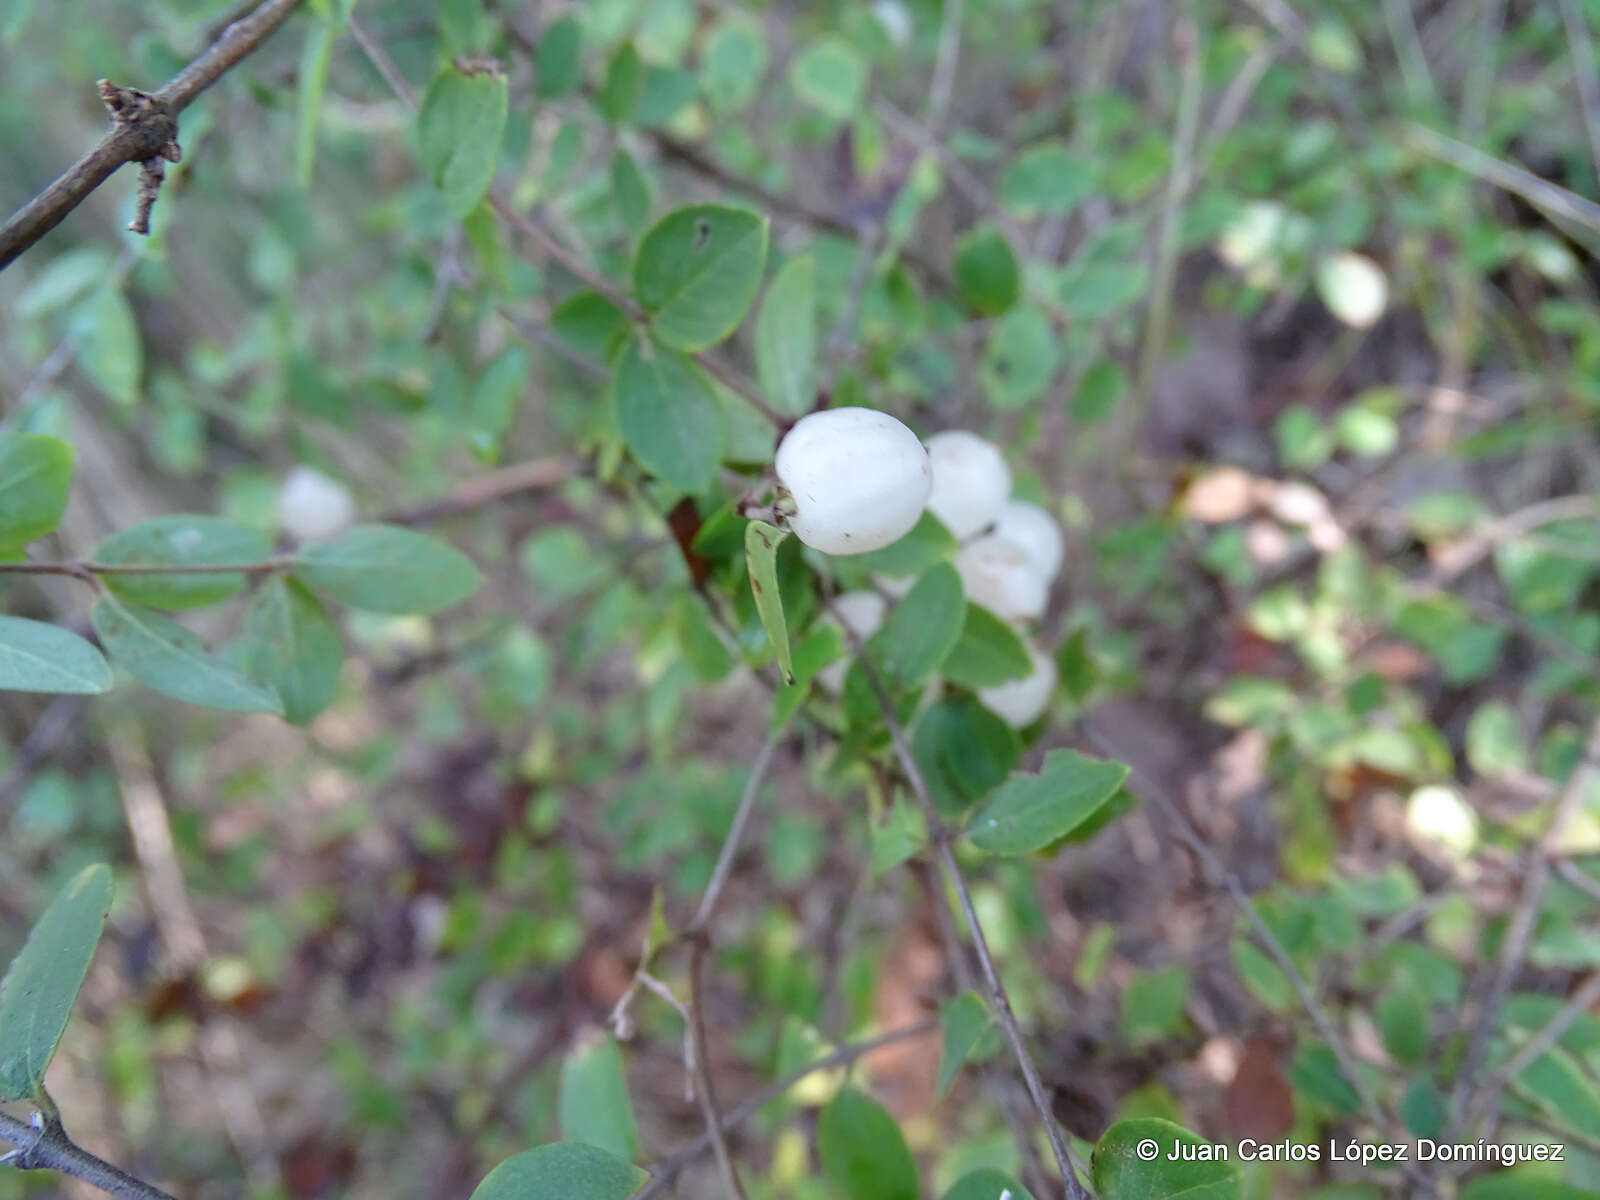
[(313, 83), (624, 84), (1152, 1007), (1045, 178), (697, 271), (459, 128), (928, 542), (732, 62), (965, 752), (181, 540), (986, 272), (42, 982), (1403, 1021), (629, 191), (786, 337), (61, 281), (1028, 812), (163, 655), (292, 646), (831, 76), (900, 835), (1564, 1089), (761, 543), (594, 1105), (35, 473), (110, 349), (1099, 392), (36, 657), (924, 626), (1020, 360), (988, 652), (561, 1171), (863, 1152), (986, 1183), (558, 64), (668, 415), (1182, 1165), (387, 569), (962, 1022)]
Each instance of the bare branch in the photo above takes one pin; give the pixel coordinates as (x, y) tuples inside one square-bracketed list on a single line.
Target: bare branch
[(44, 1147), (144, 130)]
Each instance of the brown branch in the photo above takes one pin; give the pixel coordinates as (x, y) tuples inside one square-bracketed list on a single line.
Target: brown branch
[(144, 130), (48, 1148)]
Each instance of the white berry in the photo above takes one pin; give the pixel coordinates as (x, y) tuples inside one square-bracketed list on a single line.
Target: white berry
[(862, 614), (1001, 576), (971, 481), (1021, 702), (858, 477), (311, 505), (1030, 527)]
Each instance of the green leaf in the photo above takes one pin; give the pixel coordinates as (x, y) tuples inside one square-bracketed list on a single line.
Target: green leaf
[(1020, 360), (110, 350), (623, 85), (558, 64), (786, 338), (387, 569), (61, 281), (988, 652), (1529, 1182), (668, 415), (1403, 1022), (1559, 1084), (831, 76), (36, 657), (761, 543), (1045, 178), (1152, 1007), (924, 626), (1099, 392), (293, 646), (181, 540), (313, 83), (962, 1022), (1028, 812), (594, 1103), (965, 752), (900, 835), (459, 128), (928, 542), (42, 982), (986, 272), (697, 271), (732, 62), (629, 191), (863, 1152), (163, 655), (986, 1183), (35, 473), (1119, 1171), (561, 1171)]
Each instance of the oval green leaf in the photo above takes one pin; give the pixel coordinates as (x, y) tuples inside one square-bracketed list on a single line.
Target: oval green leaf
[(1124, 1167), (697, 271), (42, 982), (292, 646), (988, 652), (962, 1022), (668, 416), (761, 542), (594, 1104), (986, 1183), (1028, 812), (965, 752), (561, 1171), (924, 627), (163, 655), (36, 657), (459, 127), (184, 540), (387, 569), (863, 1152), (786, 338), (986, 272), (35, 472)]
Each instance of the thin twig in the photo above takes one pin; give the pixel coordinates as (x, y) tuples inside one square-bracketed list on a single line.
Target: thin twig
[(145, 136), (705, 1089), (81, 568), (667, 1170), (944, 65), (1586, 75), (50, 1149), (730, 844), (1577, 1005)]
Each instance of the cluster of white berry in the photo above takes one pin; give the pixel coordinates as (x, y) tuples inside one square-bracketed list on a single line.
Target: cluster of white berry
[(859, 480)]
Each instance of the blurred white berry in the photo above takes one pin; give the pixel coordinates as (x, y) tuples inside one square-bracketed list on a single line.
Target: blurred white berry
[(971, 481), (1021, 702), (1298, 504), (1001, 576), (1354, 288), (1036, 531), (858, 477), (896, 21), (862, 614), (310, 505)]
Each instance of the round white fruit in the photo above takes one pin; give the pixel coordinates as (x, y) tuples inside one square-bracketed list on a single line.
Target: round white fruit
[(311, 505), (1001, 576), (1030, 527), (858, 477), (971, 481), (1021, 702), (862, 614)]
